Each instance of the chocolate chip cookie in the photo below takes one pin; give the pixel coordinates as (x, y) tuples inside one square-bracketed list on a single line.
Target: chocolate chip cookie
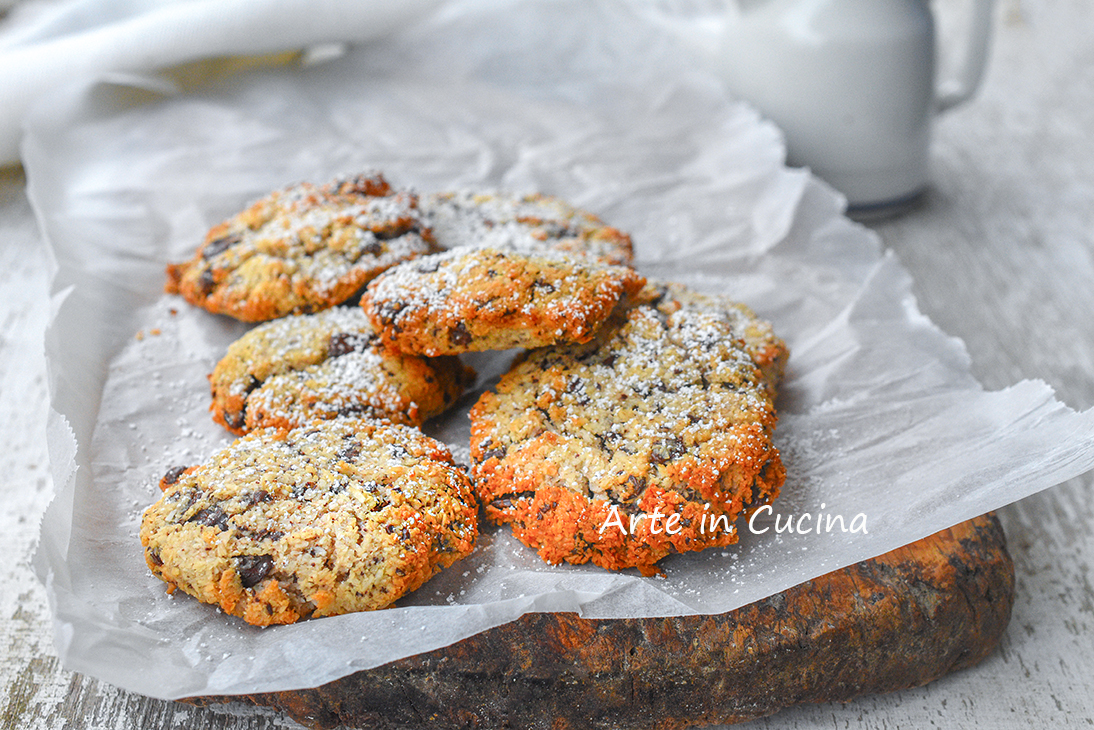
[(302, 249), (472, 298), (347, 515), (651, 439), (531, 223), (302, 368)]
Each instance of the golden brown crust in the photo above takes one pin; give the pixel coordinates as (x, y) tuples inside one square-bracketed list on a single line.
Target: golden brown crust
[(473, 299), (347, 515), (665, 412), (302, 249)]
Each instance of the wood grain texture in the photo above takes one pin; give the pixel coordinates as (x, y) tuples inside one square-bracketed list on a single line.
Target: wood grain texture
[(896, 621)]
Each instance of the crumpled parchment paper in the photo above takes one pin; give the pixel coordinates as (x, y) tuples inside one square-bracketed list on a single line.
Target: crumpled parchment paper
[(880, 416)]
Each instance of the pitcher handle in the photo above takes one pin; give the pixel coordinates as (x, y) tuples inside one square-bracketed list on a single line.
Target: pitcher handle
[(957, 90)]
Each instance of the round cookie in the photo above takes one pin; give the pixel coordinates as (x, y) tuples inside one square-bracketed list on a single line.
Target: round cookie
[(303, 368), (649, 440), (529, 223), (473, 299), (347, 515), (302, 249)]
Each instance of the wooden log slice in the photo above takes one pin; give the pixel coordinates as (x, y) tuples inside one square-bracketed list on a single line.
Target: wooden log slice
[(896, 621)]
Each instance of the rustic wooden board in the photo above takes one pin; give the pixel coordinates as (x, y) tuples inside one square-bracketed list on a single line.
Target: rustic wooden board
[(896, 621)]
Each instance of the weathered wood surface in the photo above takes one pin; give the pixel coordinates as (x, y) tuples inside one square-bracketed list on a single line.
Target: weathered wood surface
[(897, 621), (1002, 253)]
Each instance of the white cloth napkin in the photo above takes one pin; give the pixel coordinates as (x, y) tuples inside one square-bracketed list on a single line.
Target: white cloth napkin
[(48, 45)]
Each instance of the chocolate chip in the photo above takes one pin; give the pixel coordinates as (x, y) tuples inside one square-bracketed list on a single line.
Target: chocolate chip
[(154, 555), (492, 454), (236, 420), (343, 343), (389, 311), (211, 516), (756, 495), (667, 449), (662, 293), (386, 234), (459, 335), (219, 246), (173, 474), (353, 409), (506, 502), (207, 281), (351, 453), (253, 568), (373, 248)]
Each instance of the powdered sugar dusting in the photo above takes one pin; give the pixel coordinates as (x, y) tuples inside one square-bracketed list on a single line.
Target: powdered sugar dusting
[(303, 249), (531, 223), (655, 389), (472, 298), (356, 383), (308, 367), (431, 281), (312, 522), (321, 236)]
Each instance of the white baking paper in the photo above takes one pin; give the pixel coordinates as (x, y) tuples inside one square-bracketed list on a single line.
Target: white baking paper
[(879, 414)]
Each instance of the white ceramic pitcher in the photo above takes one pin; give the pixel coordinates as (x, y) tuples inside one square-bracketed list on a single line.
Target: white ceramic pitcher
[(852, 84)]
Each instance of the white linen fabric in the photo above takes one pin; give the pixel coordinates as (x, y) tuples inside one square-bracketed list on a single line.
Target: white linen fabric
[(50, 44)]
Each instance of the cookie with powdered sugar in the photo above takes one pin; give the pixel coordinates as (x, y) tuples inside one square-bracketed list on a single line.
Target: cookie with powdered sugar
[(303, 368), (473, 299), (302, 249), (763, 346), (347, 515), (651, 439), (527, 223)]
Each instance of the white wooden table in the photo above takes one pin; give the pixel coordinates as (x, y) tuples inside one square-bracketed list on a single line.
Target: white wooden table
[(1003, 254)]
